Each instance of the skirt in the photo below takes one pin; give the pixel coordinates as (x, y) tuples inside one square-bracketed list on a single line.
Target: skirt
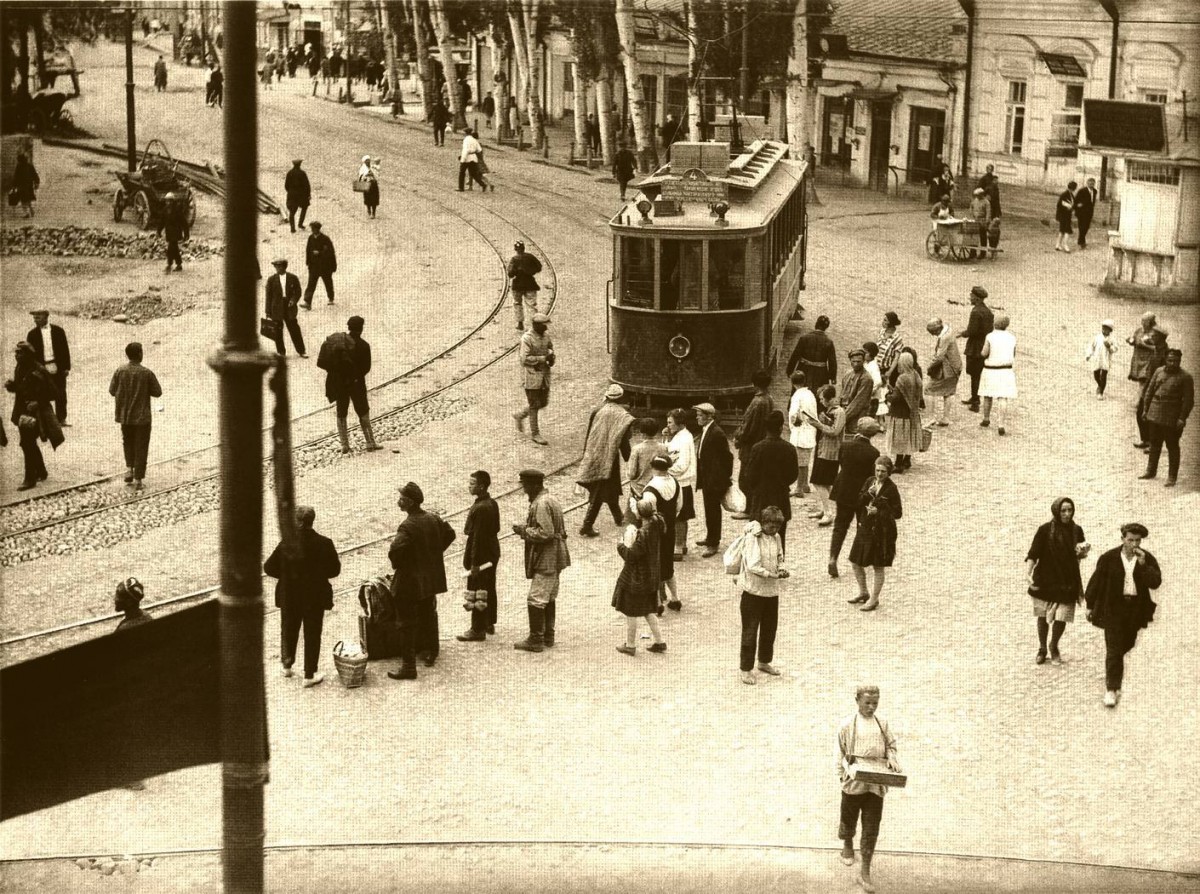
[(872, 548), (687, 504), (824, 471), (942, 387), (632, 604), (997, 383), (903, 436), (1054, 611)]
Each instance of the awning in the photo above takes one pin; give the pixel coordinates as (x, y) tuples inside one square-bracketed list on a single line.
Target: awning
[(1063, 65)]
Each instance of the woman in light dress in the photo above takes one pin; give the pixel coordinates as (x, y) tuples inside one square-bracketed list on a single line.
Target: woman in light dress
[(681, 447), (998, 382)]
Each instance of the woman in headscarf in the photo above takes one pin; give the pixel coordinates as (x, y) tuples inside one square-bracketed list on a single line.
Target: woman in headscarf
[(875, 538), (368, 174), (1052, 570), (904, 414), (636, 593), (665, 490), (33, 414), (829, 423)]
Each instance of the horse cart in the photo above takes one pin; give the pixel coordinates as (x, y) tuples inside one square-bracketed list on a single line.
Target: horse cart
[(958, 240), (146, 191)]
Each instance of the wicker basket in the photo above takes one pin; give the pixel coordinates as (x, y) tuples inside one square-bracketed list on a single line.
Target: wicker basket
[(352, 671)]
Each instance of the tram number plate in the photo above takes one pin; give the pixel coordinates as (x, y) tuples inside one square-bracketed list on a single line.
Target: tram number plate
[(694, 186)]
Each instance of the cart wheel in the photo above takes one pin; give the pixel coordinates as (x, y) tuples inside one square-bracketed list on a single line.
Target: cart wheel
[(118, 204), (955, 252), (141, 210), (191, 210), (933, 248)]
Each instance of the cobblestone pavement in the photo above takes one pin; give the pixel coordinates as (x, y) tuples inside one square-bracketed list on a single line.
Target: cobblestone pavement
[(1005, 758)]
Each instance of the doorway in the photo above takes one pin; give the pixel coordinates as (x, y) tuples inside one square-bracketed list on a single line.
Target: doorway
[(881, 144), (838, 122), (926, 133)]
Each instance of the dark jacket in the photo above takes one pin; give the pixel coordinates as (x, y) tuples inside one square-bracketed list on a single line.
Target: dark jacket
[(31, 382), (887, 501), (754, 422), (978, 326), (1065, 206), (856, 463), (1085, 203), (1056, 574), (482, 530), (58, 341), (816, 357), (319, 255), (1105, 599), (297, 187), (304, 582), (770, 471), (522, 269), (624, 165), (133, 385), (282, 302), (25, 181), (714, 461), (1169, 398), (346, 361), (440, 116), (174, 224), (416, 556)]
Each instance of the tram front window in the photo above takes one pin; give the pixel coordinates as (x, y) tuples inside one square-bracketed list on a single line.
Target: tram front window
[(726, 274), (637, 288), (679, 272)]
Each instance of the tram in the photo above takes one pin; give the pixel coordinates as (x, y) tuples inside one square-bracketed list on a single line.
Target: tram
[(708, 262)]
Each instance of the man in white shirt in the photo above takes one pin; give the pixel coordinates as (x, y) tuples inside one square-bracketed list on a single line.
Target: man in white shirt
[(468, 162), (49, 343), (803, 435)]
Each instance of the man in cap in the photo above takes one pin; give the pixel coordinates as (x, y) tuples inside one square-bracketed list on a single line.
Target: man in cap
[(299, 193), (856, 463), (321, 260), (546, 555), (419, 575), (1158, 356), (815, 356), (944, 369), (753, 429), (714, 474), (282, 302), (482, 548), (49, 343), (173, 224), (536, 356), (978, 326), (522, 270), (132, 386), (605, 444), (856, 389), (346, 359), (1170, 396), (1118, 602)]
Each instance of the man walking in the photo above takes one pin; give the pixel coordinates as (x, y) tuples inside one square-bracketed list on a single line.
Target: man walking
[(439, 117), (133, 385), (856, 390), (714, 474), (346, 359), (752, 430), (863, 736), (419, 575), (321, 260), (979, 325), (173, 224), (160, 76), (283, 297), (299, 193), (624, 167), (483, 548), (523, 269), (856, 463), (468, 161), (50, 346), (303, 593), (605, 444), (815, 355), (1170, 396), (1085, 208), (546, 556), (536, 356)]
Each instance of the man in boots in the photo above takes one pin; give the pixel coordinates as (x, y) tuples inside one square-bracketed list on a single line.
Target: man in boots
[(1169, 398), (605, 444), (978, 327), (299, 193), (346, 359), (536, 355), (419, 576), (546, 555), (483, 548)]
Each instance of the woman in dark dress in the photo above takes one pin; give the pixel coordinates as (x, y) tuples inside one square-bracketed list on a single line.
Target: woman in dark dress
[(665, 490), (875, 538), (25, 183), (1052, 569), (33, 391), (636, 593), (368, 174)]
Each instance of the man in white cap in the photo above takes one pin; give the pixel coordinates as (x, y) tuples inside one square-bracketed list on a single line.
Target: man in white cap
[(714, 473), (536, 356), (605, 444), (1100, 353)]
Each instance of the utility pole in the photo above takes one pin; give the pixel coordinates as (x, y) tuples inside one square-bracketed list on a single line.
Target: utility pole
[(240, 364), (130, 122), (349, 98)]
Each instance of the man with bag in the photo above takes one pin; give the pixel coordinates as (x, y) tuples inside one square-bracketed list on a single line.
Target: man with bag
[(346, 359), (605, 444), (283, 299), (714, 474)]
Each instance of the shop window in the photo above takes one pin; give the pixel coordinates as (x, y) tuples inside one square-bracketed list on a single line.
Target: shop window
[(726, 274), (1157, 96), (637, 288), (1014, 121), (1148, 172)]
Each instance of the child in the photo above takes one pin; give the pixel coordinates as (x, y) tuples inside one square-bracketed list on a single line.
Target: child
[(1100, 353), (128, 599), (637, 590), (761, 569), (645, 450)]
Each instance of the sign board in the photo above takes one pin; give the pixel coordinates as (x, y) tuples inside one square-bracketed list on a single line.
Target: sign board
[(694, 186), (1134, 126), (860, 130)]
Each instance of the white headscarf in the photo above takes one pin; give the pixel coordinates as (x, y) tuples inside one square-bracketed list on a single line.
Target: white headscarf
[(365, 170)]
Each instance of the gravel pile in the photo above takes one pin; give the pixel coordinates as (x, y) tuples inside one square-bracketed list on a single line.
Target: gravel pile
[(149, 305), (70, 242), (128, 522)]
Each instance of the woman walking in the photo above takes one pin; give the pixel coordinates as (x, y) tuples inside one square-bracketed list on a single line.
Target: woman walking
[(829, 422), (665, 491), (998, 381), (25, 184), (681, 446), (904, 414), (1052, 570), (636, 593), (759, 581), (875, 538), (33, 412), (1062, 213), (368, 173)]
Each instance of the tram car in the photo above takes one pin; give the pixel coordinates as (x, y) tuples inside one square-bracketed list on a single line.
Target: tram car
[(708, 263)]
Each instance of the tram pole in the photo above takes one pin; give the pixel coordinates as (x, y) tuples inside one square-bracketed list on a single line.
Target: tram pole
[(130, 122), (240, 365)]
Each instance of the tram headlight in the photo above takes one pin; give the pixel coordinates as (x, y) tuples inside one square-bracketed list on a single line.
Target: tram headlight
[(645, 207), (721, 208), (679, 347)]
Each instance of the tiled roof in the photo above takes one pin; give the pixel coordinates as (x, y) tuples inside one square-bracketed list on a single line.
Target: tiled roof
[(909, 29)]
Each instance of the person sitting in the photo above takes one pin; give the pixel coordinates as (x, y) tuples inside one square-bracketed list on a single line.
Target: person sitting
[(942, 210)]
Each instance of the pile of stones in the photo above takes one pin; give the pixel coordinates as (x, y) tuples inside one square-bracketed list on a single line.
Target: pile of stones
[(149, 305), (90, 242)]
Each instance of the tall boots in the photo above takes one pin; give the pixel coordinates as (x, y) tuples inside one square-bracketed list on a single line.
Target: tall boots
[(537, 624), (343, 434), (551, 611), (368, 432)]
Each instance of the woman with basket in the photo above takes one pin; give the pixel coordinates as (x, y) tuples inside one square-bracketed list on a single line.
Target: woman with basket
[(875, 538), (368, 184)]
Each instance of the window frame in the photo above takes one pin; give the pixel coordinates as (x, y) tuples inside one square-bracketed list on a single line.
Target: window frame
[(1016, 111)]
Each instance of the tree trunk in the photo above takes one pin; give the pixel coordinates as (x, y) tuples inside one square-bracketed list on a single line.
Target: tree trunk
[(424, 68), (695, 112), (502, 91), (530, 9), (642, 134), (521, 49), (604, 113), (389, 48), (799, 126), (580, 114), (441, 27), (39, 45)]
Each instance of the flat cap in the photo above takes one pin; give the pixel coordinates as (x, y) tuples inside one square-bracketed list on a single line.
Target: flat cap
[(531, 475), (705, 408), (316, 224), (413, 491), (279, 262), (868, 426), (856, 352), (978, 292), (1107, 324), (35, 313), (1136, 528), (541, 318)]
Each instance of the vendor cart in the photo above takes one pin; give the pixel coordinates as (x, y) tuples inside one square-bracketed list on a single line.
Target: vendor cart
[(957, 240)]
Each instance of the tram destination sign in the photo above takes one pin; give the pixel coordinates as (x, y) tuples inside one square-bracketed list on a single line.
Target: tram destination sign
[(694, 186), (1135, 126)]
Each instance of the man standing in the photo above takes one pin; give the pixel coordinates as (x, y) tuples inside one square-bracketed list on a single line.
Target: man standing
[(546, 555), (419, 575), (160, 76), (1085, 208), (624, 167), (815, 356), (346, 359), (592, 132), (714, 474), (489, 109), (1170, 396), (133, 385), (523, 269), (856, 389), (303, 593), (536, 356), (752, 430), (173, 224), (1118, 602), (856, 463), (978, 327), (299, 193), (49, 343), (605, 444), (1142, 342), (483, 548), (770, 471), (439, 117), (283, 297), (321, 261), (1156, 357)]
